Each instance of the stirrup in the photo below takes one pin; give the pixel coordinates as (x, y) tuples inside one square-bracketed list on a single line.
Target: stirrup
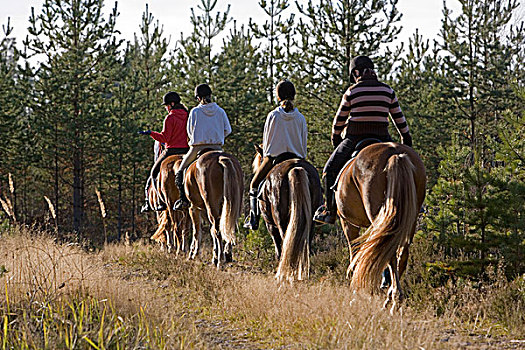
[(323, 216), (181, 204), (251, 222)]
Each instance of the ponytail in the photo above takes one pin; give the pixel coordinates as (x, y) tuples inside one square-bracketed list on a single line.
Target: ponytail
[(287, 105)]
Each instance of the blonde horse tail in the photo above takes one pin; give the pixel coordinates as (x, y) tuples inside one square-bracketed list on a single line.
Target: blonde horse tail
[(295, 257), (391, 228), (231, 207), (159, 235)]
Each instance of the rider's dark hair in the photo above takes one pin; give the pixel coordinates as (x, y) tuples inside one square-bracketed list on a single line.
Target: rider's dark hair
[(180, 106), (286, 94)]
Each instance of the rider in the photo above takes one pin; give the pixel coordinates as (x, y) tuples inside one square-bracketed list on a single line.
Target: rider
[(284, 137), (173, 136), (208, 126), (363, 113)]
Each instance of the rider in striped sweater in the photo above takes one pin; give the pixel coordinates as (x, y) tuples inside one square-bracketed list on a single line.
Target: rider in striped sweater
[(363, 113)]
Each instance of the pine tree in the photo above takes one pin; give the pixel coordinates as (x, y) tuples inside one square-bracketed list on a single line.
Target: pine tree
[(75, 46), (271, 31), (477, 60), (144, 78), (343, 29), (241, 92), (419, 85), (472, 198)]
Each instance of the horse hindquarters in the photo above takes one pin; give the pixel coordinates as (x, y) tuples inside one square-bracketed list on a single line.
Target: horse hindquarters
[(295, 262), (391, 229)]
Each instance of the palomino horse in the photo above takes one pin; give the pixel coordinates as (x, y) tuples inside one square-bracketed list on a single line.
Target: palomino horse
[(382, 189), (288, 199), (214, 186), (173, 226)]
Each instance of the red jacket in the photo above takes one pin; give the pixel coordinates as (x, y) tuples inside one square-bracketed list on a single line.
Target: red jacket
[(173, 133)]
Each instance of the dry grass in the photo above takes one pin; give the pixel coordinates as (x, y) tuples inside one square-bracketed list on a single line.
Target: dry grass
[(60, 296)]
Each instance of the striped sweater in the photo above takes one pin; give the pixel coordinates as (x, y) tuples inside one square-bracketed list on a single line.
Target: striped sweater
[(365, 108)]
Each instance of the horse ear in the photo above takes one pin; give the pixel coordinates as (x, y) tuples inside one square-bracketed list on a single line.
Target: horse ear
[(258, 148)]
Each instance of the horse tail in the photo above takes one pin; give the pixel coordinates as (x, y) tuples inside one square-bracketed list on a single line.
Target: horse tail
[(295, 260), (392, 227), (159, 235), (231, 207)]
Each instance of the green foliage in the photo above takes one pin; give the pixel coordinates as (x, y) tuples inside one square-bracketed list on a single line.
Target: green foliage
[(73, 98), (276, 57)]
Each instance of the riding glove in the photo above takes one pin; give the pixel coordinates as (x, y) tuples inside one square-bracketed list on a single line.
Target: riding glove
[(145, 132), (336, 140), (406, 139)]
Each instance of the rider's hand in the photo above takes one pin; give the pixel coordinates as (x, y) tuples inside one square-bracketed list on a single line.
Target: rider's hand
[(145, 132), (336, 140), (406, 139)]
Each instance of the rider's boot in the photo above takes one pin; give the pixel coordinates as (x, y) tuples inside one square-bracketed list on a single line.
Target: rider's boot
[(182, 203), (252, 220), (326, 213)]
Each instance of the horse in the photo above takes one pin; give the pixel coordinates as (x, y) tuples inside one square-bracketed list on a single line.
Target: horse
[(382, 189), (288, 198), (173, 226), (214, 187)]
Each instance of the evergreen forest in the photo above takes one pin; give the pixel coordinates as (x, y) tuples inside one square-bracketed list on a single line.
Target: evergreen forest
[(73, 95)]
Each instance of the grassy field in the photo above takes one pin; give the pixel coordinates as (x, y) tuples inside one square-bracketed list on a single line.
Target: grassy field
[(63, 296)]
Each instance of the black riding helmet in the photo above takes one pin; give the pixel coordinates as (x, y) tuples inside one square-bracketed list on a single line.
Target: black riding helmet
[(360, 63), (202, 90), (285, 90), (171, 98)]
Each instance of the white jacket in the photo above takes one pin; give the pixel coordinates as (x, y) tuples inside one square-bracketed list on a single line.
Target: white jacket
[(285, 132), (208, 124)]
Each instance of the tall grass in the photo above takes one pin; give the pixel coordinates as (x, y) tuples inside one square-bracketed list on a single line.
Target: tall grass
[(59, 296), (134, 296)]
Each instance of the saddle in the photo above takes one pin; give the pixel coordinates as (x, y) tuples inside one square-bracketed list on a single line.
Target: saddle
[(358, 148)]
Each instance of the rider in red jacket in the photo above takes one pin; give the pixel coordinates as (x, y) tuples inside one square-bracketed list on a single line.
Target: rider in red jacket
[(173, 136)]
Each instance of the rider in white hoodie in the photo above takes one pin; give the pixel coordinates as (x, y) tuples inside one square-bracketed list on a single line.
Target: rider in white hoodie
[(284, 137), (207, 127)]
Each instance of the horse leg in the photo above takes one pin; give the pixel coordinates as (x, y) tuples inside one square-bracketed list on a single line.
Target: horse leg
[(228, 258), (351, 232), (217, 241), (277, 239), (186, 228), (403, 257), (195, 215), (394, 292)]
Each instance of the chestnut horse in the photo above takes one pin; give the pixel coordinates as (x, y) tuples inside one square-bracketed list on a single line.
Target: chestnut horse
[(288, 199), (173, 226), (214, 186), (381, 189)]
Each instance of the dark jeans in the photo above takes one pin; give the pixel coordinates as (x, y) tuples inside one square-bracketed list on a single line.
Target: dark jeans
[(343, 152)]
